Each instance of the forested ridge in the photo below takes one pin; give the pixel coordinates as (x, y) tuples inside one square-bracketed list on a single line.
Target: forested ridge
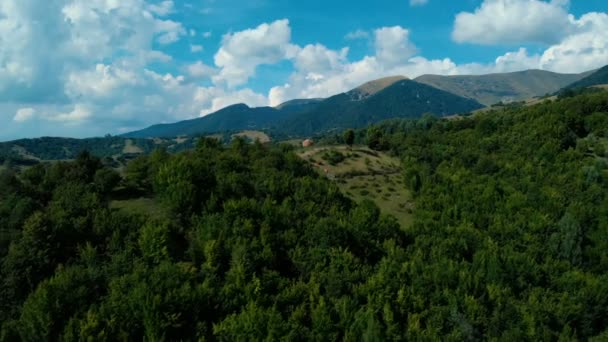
[(509, 240)]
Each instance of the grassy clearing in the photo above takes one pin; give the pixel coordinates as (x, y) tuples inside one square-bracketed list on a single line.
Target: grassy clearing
[(253, 136), (144, 206), (131, 148), (365, 174)]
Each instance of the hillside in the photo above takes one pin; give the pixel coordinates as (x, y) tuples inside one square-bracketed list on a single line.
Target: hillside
[(505, 87), (364, 174), (371, 88), (118, 150), (598, 78), (371, 102), (402, 99), (233, 118), (503, 237)]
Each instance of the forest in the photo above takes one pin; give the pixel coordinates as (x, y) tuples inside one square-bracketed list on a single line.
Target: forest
[(508, 243)]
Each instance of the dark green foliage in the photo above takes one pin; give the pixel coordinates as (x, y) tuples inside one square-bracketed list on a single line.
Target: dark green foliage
[(333, 157), (509, 240), (403, 99), (599, 77), (349, 137), (254, 245), (233, 118)]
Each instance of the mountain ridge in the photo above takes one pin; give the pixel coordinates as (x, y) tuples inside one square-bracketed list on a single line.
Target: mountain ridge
[(489, 89)]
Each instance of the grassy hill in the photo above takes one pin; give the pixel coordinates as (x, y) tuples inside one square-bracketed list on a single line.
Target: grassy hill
[(233, 118), (402, 99), (372, 102), (598, 78), (505, 87), (361, 174)]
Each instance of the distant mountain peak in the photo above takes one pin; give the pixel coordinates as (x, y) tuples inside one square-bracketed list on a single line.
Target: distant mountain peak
[(236, 106), (373, 87), (298, 102)]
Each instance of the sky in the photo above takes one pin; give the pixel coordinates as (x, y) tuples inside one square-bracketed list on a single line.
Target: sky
[(82, 68)]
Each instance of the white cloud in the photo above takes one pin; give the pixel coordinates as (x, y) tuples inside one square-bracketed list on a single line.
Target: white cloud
[(196, 48), (393, 45), (318, 59), (207, 34), (70, 62), (24, 114), (212, 99), (162, 9), (514, 22), (242, 52), (76, 116), (357, 34), (585, 50), (67, 63), (418, 2), (200, 70)]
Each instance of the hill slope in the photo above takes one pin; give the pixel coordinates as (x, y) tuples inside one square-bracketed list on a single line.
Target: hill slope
[(374, 101), (599, 77), (403, 99), (232, 118), (506, 87)]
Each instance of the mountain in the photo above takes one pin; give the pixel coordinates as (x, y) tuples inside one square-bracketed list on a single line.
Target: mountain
[(599, 77), (371, 102), (505, 87), (401, 99), (371, 88), (232, 118), (34, 151), (298, 104)]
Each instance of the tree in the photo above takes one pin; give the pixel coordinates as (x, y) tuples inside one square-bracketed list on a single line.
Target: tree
[(349, 137)]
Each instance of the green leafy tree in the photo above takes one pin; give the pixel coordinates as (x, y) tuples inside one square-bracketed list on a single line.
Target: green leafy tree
[(349, 137)]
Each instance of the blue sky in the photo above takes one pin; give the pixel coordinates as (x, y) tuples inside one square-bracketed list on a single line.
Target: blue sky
[(89, 67)]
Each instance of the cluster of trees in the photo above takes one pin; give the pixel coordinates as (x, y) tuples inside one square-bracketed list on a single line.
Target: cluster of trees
[(509, 240), (253, 244), (510, 235), (27, 152)]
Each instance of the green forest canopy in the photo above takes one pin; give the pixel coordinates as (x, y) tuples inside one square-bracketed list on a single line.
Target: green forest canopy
[(509, 240)]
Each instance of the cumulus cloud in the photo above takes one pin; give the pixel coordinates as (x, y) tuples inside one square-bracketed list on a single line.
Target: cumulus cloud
[(77, 115), (24, 114), (357, 34), (200, 70), (393, 45), (584, 50), (514, 22), (242, 52), (162, 9), (70, 63)]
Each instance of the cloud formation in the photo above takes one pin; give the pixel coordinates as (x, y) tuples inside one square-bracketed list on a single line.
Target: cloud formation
[(99, 72), (514, 22)]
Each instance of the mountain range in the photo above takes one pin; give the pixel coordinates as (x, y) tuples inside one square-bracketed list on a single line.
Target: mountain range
[(372, 102), (599, 77), (507, 87), (391, 97)]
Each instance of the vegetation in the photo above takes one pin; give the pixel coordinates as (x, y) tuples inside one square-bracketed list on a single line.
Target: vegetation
[(509, 87), (248, 242), (363, 174), (114, 150), (403, 99), (233, 118), (599, 77)]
